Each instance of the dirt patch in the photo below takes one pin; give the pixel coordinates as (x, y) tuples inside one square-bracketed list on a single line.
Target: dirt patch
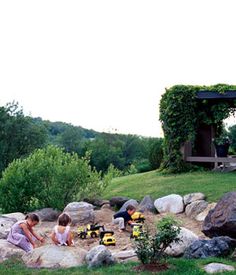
[(123, 241), (157, 267)]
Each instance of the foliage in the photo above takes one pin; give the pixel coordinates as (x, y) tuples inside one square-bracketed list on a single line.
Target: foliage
[(120, 150), (181, 113), (97, 184), (114, 172), (156, 153), (223, 138), (131, 170), (151, 249), (19, 136), (232, 137), (48, 177)]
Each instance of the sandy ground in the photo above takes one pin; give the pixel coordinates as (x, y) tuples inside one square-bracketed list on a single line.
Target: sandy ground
[(123, 241)]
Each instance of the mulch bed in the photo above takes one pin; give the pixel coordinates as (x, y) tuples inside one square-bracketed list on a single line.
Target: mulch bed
[(157, 267)]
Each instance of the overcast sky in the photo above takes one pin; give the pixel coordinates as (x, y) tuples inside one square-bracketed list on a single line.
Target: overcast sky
[(104, 64)]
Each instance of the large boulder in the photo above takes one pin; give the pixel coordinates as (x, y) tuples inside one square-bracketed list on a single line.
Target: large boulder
[(147, 204), (189, 198), (201, 216), (80, 212), (132, 202), (195, 208), (99, 256), (217, 267), (8, 250), (221, 221), (171, 203), (216, 247), (186, 238), (5, 226), (52, 256), (48, 214), (17, 215), (118, 201)]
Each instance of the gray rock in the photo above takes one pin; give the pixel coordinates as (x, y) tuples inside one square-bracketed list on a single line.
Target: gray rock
[(8, 251), (201, 216), (189, 198), (218, 267), (125, 256), (80, 212), (186, 238), (147, 204), (99, 256), (195, 208), (216, 247), (129, 202), (171, 203), (17, 215), (52, 256), (97, 202), (5, 226), (118, 201), (48, 214), (106, 206), (221, 221)]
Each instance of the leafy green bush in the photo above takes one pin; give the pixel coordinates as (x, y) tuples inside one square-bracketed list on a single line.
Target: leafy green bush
[(151, 249), (49, 177), (142, 165), (156, 153), (131, 170)]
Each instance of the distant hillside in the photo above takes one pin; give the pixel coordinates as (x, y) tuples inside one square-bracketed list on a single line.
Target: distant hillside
[(106, 148)]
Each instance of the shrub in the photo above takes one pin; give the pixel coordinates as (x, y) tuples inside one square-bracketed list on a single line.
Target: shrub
[(151, 249), (49, 177)]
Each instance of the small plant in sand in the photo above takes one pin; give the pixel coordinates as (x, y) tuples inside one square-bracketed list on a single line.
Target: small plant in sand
[(150, 249)]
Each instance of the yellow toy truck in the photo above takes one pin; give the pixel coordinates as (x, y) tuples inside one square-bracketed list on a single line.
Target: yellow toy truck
[(137, 230), (92, 231), (138, 217), (107, 238)]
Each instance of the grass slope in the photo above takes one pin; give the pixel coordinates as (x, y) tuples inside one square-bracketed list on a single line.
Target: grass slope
[(212, 184)]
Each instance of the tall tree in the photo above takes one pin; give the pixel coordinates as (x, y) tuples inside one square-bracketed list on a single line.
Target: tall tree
[(19, 136)]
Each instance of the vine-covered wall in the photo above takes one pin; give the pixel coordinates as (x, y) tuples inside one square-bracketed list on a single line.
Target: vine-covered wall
[(181, 113)]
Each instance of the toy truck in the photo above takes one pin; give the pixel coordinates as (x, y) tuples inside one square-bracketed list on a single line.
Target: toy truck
[(107, 238), (137, 230), (92, 231), (138, 217)]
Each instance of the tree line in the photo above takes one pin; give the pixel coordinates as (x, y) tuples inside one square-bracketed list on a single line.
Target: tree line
[(20, 135)]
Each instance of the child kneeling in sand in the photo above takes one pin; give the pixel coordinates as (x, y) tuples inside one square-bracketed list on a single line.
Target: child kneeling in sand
[(123, 218), (22, 234), (61, 234)]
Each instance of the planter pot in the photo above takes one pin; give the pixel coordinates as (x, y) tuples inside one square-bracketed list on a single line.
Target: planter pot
[(222, 150)]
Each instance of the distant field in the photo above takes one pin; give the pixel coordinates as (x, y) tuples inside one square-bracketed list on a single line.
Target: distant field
[(212, 184)]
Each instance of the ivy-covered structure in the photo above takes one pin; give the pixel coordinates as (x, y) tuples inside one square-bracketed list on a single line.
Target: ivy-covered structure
[(191, 117)]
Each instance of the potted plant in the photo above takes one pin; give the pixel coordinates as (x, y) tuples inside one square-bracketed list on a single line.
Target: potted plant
[(222, 143)]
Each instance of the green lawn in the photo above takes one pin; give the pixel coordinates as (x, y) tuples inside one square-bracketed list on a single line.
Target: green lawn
[(177, 266), (212, 184)]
